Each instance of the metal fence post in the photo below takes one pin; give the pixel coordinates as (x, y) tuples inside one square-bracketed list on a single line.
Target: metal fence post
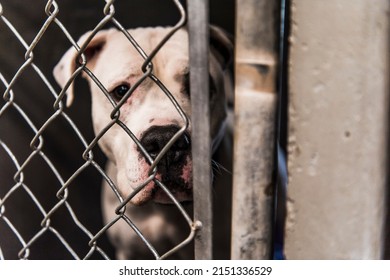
[(201, 147), (255, 112)]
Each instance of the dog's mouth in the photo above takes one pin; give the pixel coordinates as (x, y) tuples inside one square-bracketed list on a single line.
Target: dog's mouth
[(174, 169)]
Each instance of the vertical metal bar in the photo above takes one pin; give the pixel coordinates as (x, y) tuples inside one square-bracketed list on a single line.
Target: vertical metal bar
[(338, 123), (201, 147), (254, 136)]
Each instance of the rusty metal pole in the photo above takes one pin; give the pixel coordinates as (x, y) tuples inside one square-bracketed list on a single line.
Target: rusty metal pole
[(255, 118), (201, 146)]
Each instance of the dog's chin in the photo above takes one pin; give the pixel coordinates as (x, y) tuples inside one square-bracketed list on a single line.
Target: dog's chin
[(153, 193), (162, 198), (177, 179)]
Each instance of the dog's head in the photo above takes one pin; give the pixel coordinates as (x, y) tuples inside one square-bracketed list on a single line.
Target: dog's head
[(148, 116)]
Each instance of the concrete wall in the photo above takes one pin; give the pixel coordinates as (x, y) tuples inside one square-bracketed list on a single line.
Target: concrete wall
[(338, 122)]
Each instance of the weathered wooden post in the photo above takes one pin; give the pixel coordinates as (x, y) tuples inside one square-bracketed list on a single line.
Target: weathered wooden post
[(255, 112)]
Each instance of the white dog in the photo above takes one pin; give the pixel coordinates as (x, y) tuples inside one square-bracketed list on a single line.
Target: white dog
[(150, 115)]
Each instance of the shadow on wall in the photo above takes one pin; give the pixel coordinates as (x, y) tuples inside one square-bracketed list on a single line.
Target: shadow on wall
[(65, 151)]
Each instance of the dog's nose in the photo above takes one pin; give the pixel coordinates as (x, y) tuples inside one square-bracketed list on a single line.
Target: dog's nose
[(155, 139)]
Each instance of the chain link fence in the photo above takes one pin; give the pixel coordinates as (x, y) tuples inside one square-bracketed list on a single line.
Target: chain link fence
[(17, 182)]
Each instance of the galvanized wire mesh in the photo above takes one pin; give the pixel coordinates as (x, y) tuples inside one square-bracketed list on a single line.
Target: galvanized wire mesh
[(37, 143)]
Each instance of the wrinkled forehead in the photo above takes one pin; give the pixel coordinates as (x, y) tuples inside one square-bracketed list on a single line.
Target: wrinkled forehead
[(119, 58)]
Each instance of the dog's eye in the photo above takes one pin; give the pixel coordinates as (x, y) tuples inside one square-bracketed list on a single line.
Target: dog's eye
[(186, 85), (212, 85), (120, 91)]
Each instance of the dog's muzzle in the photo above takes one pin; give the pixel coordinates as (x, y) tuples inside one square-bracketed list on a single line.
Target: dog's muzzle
[(174, 169)]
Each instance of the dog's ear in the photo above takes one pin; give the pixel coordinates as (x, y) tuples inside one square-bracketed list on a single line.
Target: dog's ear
[(221, 45), (67, 65)]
